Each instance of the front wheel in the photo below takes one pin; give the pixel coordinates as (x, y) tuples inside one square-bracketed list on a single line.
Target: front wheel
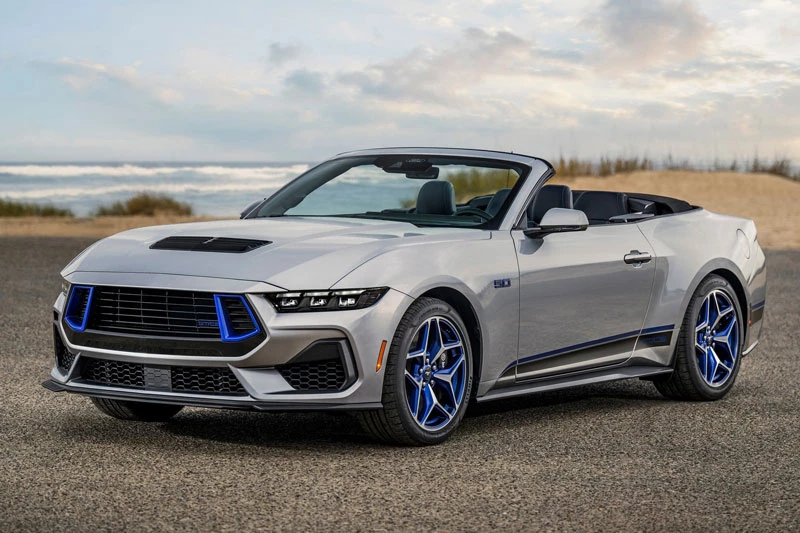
[(428, 377), (141, 411), (708, 353)]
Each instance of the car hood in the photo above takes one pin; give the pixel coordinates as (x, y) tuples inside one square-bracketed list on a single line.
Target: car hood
[(303, 253)]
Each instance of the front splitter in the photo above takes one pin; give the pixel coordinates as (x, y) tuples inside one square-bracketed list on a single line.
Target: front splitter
[(241, 403)]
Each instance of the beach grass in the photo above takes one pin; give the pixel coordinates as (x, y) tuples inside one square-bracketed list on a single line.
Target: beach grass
[(145, 204), (10, 208), (609, 166)]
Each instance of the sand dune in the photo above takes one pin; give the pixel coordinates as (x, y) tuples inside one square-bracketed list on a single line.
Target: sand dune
[(773, 202)]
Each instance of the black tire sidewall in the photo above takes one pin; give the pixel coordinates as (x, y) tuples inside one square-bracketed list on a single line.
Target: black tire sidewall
[(706, 287), (429, 308)]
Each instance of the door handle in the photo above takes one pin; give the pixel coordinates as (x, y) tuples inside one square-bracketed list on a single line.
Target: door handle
[(636, 257)]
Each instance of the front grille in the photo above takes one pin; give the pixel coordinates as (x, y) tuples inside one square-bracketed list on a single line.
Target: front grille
[(114, 373), (64, 358), (155, 312), (185, 379), (206, 381), (315, 375)]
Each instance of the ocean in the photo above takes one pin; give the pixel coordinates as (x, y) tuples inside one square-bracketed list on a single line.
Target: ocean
[(213, 189)]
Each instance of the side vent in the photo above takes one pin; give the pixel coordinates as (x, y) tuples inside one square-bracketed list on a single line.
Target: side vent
[(208, 244), (236, 320), (76, 311)]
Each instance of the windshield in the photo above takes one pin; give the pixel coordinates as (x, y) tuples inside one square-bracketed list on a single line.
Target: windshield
[(423, 190)]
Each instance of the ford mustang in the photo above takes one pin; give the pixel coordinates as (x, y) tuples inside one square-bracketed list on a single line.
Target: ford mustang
[(404, 284)]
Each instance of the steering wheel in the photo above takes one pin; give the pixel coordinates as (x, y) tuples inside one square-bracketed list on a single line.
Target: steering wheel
[(473, 211)]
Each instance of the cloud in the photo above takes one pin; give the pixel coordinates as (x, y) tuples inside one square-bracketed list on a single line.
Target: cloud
[(305, 82), (643, 33), (443, 76), (735, 68), (81, 74), (678, 86), (168, 96), (280, 53)]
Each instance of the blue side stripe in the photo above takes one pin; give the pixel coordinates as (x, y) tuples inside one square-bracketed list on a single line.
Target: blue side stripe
[(589, 344), (758, 305), (658, 329)]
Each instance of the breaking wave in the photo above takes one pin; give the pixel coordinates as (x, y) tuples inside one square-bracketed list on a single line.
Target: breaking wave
[(128, 171)]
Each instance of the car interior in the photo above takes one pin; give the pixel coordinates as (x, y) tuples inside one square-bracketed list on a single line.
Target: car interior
[(437, 197), (603, 207)]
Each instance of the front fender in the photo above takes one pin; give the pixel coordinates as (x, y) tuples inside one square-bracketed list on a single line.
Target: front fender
[(469, 267)]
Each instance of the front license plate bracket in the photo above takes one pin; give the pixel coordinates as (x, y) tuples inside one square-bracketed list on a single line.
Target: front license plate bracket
[(157, 378)]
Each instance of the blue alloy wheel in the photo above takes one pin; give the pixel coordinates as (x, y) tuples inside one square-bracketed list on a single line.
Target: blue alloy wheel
[(717, 338), (435, 373)]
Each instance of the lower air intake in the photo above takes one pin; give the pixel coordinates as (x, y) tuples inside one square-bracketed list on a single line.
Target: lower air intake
[(316, 376), (320, 367), (114, 373), (184, 379), (206, 381), (64, 358)]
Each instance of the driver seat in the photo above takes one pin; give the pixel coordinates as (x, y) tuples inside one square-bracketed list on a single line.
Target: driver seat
[(436, 198)]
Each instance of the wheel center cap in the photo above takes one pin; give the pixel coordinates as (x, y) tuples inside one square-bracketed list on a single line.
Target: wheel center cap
[(427, 372)]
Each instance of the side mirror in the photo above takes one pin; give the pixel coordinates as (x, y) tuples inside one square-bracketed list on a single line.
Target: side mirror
[(250, 208), (558, 220)]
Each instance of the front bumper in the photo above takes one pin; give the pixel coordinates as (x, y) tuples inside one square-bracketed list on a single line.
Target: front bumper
[(359, 332), (197, 400)]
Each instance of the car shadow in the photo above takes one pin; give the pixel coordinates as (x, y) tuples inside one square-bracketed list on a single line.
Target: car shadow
[(628, 394), (301, 431)]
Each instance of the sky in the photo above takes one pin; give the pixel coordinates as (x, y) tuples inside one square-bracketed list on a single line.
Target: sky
[(260, 80)]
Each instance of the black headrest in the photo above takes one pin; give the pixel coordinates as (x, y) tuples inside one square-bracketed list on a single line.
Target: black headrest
[(436, 198), (497, 201), (548, 197), (600, 206)]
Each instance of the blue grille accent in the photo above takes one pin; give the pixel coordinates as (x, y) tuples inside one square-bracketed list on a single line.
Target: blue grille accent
[(236, 319), (76, 312)]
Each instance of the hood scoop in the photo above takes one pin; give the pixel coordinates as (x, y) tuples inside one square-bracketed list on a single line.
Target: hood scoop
[(208, 244)]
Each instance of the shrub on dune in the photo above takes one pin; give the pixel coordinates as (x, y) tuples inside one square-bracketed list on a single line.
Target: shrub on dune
[(145, 204), (10, 208)]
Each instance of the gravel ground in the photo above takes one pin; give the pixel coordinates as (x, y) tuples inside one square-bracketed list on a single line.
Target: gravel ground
[(606, 457)]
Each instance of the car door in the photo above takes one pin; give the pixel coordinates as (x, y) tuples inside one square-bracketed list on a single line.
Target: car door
[(582, 301)]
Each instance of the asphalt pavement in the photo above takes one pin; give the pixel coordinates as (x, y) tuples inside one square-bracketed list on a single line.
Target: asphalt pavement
[(604, 457)]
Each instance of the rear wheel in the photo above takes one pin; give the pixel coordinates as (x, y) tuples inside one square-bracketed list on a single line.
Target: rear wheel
[(428, 377), (141, 411), (709, 348)]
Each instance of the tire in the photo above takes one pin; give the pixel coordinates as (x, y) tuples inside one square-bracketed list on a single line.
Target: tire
[(425, 405), (140, 411), (694, 363)]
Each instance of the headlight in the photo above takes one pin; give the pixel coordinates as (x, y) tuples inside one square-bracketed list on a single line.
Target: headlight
[(65, 287), (340, 300)]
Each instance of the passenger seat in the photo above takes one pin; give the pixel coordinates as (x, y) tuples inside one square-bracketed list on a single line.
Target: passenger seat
[(436, 198), (548, 197), (600, 206), (497, 201)]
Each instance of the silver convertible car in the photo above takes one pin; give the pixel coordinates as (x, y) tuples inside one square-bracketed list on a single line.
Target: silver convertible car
[(403, 284)]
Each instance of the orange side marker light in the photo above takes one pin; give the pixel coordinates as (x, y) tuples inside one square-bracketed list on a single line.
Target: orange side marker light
[(379, 364)]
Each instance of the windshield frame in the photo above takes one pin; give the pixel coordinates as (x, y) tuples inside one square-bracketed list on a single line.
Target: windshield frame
[(479, 161)]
